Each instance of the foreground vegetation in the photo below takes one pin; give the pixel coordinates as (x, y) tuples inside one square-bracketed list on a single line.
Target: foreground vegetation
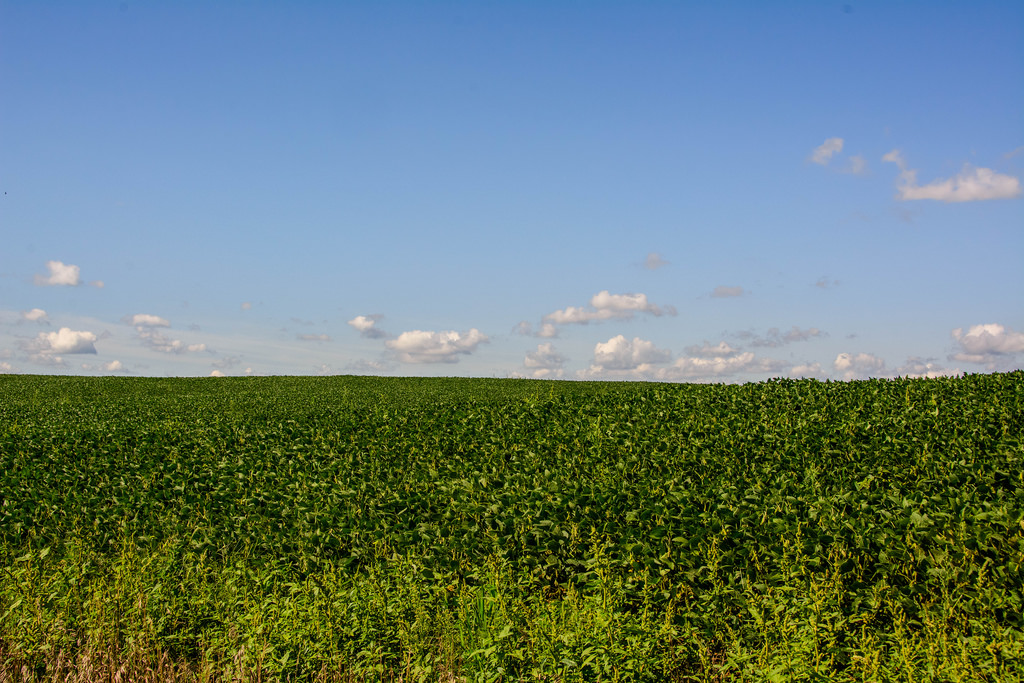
[(500, 530)]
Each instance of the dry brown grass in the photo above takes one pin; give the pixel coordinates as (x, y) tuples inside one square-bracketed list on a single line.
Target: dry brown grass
[(96, 665), (91, 665)]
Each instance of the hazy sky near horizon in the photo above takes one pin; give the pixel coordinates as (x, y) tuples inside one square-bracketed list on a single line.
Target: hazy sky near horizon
[(699, 191)]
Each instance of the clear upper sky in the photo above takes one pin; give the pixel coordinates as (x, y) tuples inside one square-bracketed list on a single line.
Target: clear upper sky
[(681, 191)]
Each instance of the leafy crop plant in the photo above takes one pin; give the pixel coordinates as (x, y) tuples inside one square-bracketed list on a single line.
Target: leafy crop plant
[(411, 529)]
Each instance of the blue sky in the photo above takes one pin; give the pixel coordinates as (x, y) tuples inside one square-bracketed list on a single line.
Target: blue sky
[(695, 192)]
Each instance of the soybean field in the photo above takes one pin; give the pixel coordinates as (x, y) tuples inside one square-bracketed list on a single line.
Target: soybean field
[(415, 529)]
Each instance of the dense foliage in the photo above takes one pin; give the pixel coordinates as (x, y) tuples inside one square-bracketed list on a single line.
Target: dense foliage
[(503, 529)]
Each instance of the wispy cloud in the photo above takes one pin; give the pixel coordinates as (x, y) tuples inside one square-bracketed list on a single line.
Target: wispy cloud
[(313, 337), (970, 185), (654, 261), (824, 282), (824, 152), (859, 366), (158, 341), (858, 165), (707, 350), (146, 331), (827, 151), (419, 346), (545, 331), (227, 362), (369, 367), (724, 292), (774, 337)]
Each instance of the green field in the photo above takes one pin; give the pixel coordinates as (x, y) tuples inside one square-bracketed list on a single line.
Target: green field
[(357, 528)]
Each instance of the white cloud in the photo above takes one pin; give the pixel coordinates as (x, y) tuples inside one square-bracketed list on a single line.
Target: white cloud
[(623, 358), (313, 337), (146, 320), (971, 184), (576, 315), (697, 367), (654, 261), (619, 353), (823, 153), (607, 306), (419, 346), (722, 291), (217, 373), (990, 338), (623, 303), (60, 275), (544, 363), (246, 305), (991, 344), (366, 324), (64, 340), (540, 373), (858, 366), (36, 315), (113, 366), (807, 370), (6, 367), (544, 357), (547, 331)]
